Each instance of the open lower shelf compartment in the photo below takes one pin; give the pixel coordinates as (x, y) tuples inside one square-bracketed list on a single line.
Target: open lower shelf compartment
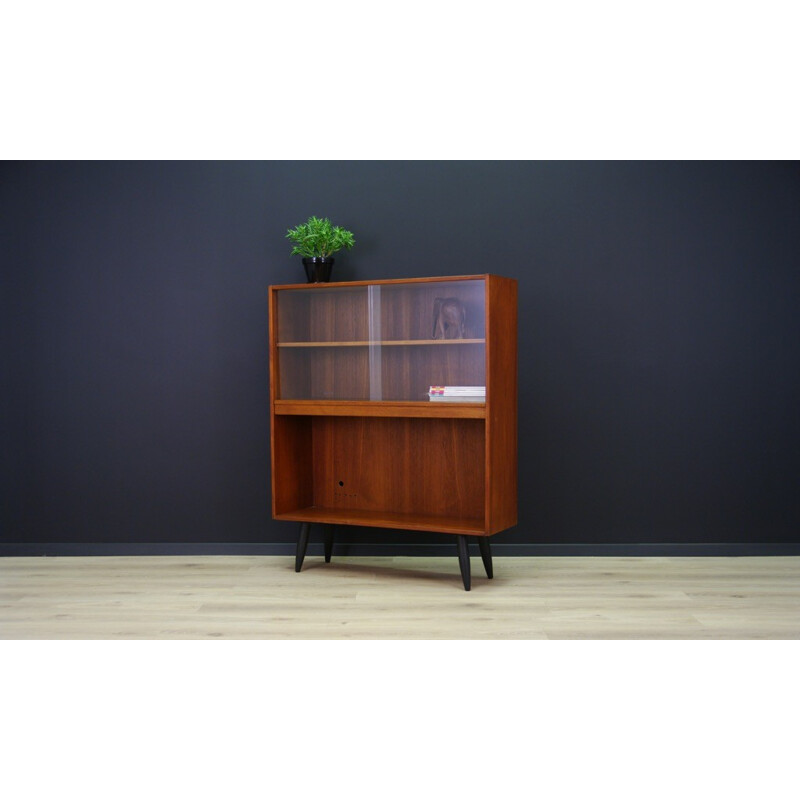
[(415, 473)]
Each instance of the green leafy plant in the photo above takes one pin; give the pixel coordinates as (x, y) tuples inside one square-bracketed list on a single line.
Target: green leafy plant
[(318, 238)]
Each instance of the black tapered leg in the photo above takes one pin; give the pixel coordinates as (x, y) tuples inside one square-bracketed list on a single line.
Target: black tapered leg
[(486, 555), (329, 530), (302, 544), (463, 560)]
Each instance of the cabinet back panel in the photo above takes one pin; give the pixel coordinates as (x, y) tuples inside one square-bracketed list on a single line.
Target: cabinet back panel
[(293, 316), (322, 315), (407, 309), (340, 373), (343, 373), (413, 466), (408, 372), (339, 315), (325, 373)]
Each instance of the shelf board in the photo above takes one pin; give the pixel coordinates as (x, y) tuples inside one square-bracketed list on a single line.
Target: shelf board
[(384, 519), (381, 408), (384, 343)]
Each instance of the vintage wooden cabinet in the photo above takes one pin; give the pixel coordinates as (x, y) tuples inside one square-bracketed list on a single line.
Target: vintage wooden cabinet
[(356, 437)]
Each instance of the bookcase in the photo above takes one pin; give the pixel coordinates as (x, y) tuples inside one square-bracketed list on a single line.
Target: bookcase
[(356, 438)]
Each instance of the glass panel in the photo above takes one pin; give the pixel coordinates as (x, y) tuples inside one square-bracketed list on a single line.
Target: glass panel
[(433, 334), (382, 342), (322, 343), (375, 335)]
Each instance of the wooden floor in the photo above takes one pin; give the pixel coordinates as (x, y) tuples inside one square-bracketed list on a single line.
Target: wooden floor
[(255, 597)]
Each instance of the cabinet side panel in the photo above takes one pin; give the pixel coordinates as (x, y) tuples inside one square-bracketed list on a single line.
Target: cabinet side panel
[(273, 389), (501, 411)]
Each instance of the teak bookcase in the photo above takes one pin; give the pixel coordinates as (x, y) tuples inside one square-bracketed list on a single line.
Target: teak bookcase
[(356, 439)]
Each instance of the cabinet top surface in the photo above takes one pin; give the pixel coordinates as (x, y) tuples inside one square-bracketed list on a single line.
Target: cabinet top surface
[(345, 284)]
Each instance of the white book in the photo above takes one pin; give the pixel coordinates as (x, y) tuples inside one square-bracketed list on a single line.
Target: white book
[(452, 390), (458, 398)]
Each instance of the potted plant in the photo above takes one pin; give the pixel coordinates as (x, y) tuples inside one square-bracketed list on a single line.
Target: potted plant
[(316, 241)]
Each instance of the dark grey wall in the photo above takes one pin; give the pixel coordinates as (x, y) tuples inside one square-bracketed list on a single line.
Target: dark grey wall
[(659, 339)]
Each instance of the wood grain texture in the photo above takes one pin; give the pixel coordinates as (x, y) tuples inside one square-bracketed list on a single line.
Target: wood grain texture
[(407, 308), (369, 408), (408, 373), (339, 374), (333, 373), (292, 454), (501, 400), (256, 597), (432, 468)]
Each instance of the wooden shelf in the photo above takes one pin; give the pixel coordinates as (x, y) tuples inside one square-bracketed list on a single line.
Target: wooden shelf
[(385, 519), (381, 408), (383, 343)]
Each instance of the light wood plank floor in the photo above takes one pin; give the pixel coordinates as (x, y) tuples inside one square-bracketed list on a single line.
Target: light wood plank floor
[(255, 597)]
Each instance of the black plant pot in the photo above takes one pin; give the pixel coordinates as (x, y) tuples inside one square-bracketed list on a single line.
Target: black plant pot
[(318, 270)]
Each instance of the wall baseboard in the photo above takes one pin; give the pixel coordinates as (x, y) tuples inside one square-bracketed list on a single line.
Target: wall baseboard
[(344, 549)]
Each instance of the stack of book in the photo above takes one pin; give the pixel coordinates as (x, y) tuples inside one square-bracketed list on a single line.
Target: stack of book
[(458, 394)]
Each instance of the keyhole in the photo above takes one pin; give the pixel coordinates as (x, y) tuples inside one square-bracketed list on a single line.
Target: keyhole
[(341, 483)]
